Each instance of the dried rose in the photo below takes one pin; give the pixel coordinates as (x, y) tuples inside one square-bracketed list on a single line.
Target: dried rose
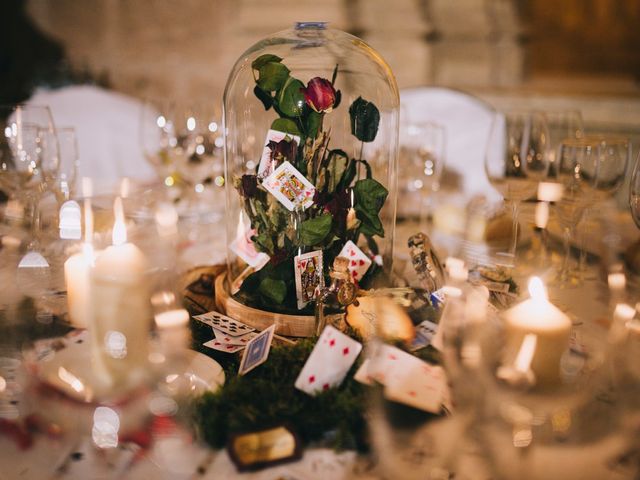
[(249, 186), (320, 95), (286, 149)]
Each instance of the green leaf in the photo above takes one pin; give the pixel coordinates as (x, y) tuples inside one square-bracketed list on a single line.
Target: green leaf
[(365, 118), (264, 243), (349, 175), (263, 60), (370, 194), (273, 290), (264, 97), (337, 166), (370, 225), (315, 230), (290, 97), (272, 76), (285, 125), (312, 123)]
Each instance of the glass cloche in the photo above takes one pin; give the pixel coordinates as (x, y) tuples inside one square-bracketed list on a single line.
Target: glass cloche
[(311, 121)]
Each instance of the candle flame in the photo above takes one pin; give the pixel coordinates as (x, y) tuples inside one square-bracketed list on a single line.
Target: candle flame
[(119, 234), (69, 378), (624, 312), (526, 352), (537, 289), (617, 281), (88, 221)]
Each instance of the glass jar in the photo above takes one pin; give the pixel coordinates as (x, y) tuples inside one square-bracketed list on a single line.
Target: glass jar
[(320, 108)]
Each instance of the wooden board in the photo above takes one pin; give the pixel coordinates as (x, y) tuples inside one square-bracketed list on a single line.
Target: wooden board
[(289, 325)]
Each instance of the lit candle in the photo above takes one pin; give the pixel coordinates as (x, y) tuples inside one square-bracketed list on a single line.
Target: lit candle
[(552, 328), (550, 192), (172, 329), (77, 270), (121, 309)]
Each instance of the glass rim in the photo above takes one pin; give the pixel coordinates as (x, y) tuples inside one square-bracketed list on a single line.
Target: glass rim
[(596, 139)]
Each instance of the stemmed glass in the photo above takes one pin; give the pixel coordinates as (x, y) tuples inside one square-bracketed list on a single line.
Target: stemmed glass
[(422, 150), (64, 185), (184, 144), (562, 124), (590, 169), (634, 193), (29, 156), (516, 160)]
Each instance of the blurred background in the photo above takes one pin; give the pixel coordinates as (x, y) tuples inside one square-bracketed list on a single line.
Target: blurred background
[(545, 54)]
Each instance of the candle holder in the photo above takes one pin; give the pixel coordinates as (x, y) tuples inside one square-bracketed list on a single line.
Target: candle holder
[(538, 424)]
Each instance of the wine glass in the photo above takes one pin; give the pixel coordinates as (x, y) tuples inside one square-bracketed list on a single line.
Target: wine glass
[(64, 185), (516, 160), (634, 193), (590, 169), (184, 143), (157, 138), (422, 152), (562, 124), (28, 154)]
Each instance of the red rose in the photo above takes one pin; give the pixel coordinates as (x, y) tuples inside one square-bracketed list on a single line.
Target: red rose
[(320, 95)]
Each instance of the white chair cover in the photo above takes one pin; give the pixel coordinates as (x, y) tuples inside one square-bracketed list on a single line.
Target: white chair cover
[(108, 131), (467, 121)]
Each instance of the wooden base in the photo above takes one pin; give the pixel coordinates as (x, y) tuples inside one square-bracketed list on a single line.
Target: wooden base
[(289, 325)]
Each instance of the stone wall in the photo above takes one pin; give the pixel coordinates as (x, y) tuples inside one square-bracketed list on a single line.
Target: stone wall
[(151, 48)]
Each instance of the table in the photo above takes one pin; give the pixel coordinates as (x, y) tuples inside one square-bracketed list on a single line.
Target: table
[(172, 458)]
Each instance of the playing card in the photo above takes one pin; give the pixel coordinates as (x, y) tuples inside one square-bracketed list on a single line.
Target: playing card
[(387, 362), (222, 346), (424, 333), (309, 276), (437, 298), (290, 187), (223, 323), (257, 350), (418, 385), (329, 362), (231, 340), (359, 263), (362, 374), (243, 247), (266, 166)]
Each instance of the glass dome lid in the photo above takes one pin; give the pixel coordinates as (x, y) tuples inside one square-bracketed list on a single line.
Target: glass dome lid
[(311, 121)]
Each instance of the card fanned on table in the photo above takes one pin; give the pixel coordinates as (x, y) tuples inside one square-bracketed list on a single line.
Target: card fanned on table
[(329, 362), (290, 187), (406, 379), (224, 323), (257, 350)]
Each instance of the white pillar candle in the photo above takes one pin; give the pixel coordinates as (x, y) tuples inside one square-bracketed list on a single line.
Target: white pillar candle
[(121, 309), (552, 328), (76, 276), (77, 270)]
